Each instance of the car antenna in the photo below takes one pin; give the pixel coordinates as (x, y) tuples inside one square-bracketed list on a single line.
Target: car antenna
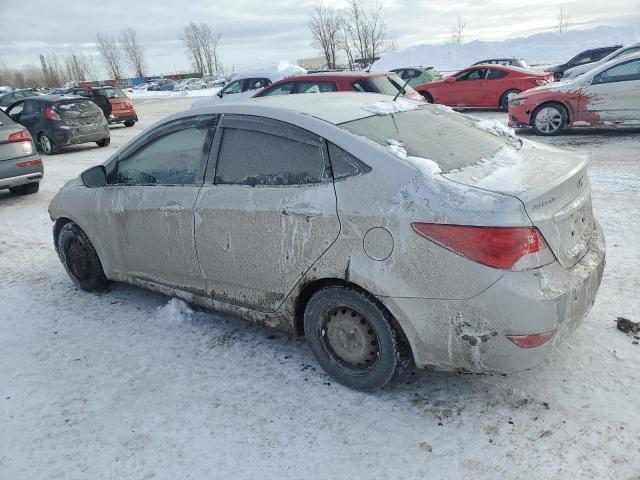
[(401, 90)]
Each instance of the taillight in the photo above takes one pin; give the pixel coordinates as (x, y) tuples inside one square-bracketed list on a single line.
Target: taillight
[(21, 136), (497, 247), (51, 115)]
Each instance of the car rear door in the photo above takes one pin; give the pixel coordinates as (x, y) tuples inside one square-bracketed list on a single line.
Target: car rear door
[(266, 213), (613, 95), (145, 212)]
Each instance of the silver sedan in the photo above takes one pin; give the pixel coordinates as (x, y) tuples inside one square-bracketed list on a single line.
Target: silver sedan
[(385, 232), (21, 168)]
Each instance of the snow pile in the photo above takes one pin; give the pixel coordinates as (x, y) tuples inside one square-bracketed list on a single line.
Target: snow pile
[(390, 107), (281, 69), (427, 167), (496, 127), (175, 310), (548, 47), (205, 92)]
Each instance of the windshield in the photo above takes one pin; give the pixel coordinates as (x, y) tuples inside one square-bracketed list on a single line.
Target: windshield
[(113, 93), (450, 139), (385, 84)]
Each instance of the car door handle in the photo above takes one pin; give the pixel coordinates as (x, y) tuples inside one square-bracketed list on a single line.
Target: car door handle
[(172, 207), (302, 211)]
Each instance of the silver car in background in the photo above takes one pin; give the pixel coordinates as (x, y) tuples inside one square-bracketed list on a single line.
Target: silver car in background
[(385, 232), (20, 165)]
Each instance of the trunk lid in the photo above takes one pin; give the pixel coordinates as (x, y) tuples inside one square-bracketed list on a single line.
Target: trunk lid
[(79, 113), (554, 187)]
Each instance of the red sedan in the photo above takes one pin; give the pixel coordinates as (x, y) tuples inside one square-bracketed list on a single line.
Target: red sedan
[(387, 83), (483, 86)]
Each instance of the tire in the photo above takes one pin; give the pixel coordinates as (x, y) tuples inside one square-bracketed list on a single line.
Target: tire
[(79, 258), (427, 96), (26, 189), (129, 123), (47, 145), (506, 96), (104, 142), (377, 356), (548, 119)]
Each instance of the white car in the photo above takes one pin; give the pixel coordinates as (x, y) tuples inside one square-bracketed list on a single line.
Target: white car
[(580, 69), (213, 81), (245, 85), (188, 84)]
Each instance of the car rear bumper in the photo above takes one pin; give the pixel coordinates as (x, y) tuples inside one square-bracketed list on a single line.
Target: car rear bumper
[(74, 136), (471, 335), (31, 174)]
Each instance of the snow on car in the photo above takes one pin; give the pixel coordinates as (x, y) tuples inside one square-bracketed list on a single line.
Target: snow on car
[(607, 96), (377, 207)]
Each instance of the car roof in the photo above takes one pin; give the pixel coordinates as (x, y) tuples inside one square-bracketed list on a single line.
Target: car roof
[(331, 107), (334, 75), (55, 98)]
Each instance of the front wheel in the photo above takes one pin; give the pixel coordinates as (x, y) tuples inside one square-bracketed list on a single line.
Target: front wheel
[(353, 338), (104, 142), (80, 258), (506, 98), (548, 119), (129, 123), (427, 97)]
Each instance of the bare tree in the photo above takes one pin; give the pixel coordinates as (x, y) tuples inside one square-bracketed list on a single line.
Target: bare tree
[(457, 31), (325, 25), (133, 50), (201, 46), (563, 18), (110, 52), (365, 32)]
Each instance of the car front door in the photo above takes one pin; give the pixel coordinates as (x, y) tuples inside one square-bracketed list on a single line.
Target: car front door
[(468, 90), (266, 213), (145, 212), (613, 95)]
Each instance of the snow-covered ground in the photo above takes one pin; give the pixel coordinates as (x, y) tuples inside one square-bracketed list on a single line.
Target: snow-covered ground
[(541, 48), (130, 384)]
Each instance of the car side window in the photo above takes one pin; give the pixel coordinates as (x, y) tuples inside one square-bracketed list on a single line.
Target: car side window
[(249, 157), (586, 57), (258, 83), (476, 74), (15, 112), (30, 107), (172, 159), (284, 89), (316, 87), (623, 72), (344, 164), (233, 87), (495, 74)]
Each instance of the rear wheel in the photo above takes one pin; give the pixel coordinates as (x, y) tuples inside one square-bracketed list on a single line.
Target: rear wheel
[(80, 258), (104, 142), (47, 145), (353, 338), (427, 96), (548, 119), (129, 123), (506, 97), (26, 189)]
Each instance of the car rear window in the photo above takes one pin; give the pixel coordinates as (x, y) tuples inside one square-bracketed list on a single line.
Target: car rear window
[(385, 84), (113, 93), (448, 138), (77, 107)]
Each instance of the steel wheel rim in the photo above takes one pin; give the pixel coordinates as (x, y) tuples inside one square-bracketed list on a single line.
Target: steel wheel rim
[(78, 260), (350, 340), (548, 119)]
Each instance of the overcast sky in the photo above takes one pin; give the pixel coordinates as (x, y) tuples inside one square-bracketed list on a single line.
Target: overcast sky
[(258, 32)]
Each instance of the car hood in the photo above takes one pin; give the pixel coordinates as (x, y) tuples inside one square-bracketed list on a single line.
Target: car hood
[(560, 86)]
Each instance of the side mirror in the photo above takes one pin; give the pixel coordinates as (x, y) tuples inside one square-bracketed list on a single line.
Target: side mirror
[(94, 177), (219, 93), (450, 80)]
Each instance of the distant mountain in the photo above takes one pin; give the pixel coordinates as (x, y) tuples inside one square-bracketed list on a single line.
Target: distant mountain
[(541, 48)]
